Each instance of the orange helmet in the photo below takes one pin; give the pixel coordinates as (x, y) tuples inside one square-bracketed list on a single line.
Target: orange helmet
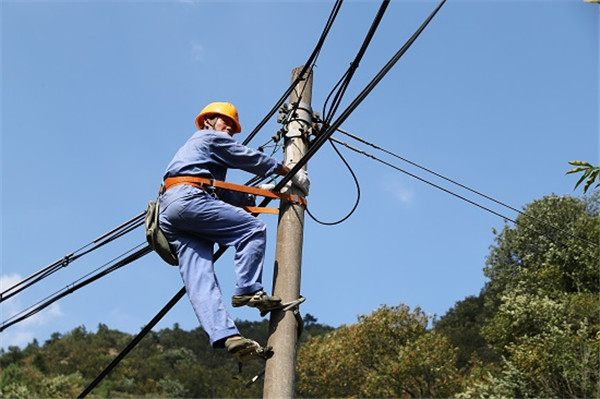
[(224, 109)]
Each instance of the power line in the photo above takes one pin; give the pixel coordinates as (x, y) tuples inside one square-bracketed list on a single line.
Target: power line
[(313, 217), (447, 191), (66, 260), (323, 136), (142, 333), (340, 89), (347, 77), (307, 65), (548, 224), (74, 286)]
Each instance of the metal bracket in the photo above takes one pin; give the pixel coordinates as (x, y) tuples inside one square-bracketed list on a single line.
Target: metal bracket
[(285, 306), (268, 350)]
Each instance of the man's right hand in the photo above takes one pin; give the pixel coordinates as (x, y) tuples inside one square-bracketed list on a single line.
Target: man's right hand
[(301, 181)]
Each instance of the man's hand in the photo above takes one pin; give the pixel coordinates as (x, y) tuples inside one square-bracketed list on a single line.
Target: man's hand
[(301, 181), (267, 186)]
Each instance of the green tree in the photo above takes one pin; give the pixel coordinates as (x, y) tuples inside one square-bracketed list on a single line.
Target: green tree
[(61, 386), (462, 325), (387, 354), (560, 256), (542, 303)]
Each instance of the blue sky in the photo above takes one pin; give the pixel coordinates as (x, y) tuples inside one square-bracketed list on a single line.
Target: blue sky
[(97, 97)]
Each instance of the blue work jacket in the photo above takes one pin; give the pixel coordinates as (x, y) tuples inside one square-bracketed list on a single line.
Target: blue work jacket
[(209, 153)]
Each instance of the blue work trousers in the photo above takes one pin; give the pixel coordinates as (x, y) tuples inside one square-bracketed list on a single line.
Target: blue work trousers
[(193, 221)]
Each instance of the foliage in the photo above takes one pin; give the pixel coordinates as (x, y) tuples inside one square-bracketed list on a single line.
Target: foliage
[(560, 256), (462, 326), (590, 174), (387, 354), (542, 304), (170, 363)]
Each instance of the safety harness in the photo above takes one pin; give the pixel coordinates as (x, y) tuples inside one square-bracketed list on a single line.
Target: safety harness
[(212, 185), (155, 236)]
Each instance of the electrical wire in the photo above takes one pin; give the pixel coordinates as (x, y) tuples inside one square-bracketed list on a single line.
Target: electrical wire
[(344, 81), (357, 193), (323, 136), (338, 92), (544, 222), (74, 286), (147, 328), (448, 191), (307, 66), (66, 260)]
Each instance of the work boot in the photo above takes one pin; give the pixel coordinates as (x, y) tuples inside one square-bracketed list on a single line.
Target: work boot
[(260, 299), (244, 349)]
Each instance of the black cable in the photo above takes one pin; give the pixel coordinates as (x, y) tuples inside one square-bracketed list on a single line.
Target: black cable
[(548, 224), (309, 64), (73, 287), (327, 117), (347, 77), (134, 342), (357, 193), (66, 260), (335, 89), (344, 81), (447, 191), (343, 84), (322, 137), (143, 333)]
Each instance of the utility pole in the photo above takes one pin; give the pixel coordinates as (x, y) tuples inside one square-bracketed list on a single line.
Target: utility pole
[(281, 368)]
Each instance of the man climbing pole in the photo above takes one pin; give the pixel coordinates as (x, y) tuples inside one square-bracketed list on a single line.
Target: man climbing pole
[(194, 216)]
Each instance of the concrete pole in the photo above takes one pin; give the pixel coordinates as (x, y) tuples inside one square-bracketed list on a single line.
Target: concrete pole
[(281, 368)]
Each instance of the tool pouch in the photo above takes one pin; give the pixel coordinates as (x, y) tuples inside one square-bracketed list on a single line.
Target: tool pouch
[(155, 236)]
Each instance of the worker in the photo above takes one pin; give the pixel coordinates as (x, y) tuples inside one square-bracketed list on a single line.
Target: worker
[(195, 217)]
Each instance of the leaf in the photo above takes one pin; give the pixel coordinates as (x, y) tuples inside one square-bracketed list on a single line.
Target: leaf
[(591, 179), (583, 177), (580, 163), (575, 170)]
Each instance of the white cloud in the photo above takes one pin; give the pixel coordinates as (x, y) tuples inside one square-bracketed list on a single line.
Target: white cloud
[(23, 332), (51, 312), (400, 189), (9, 280), (16, 338)]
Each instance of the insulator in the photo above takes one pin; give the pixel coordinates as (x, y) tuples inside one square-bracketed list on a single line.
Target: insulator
[(285, 108)]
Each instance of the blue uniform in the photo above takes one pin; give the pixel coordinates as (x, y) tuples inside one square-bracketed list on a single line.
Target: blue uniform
[(193, 220)]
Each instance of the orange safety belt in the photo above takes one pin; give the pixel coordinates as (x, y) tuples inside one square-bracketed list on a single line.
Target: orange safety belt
[(211, 184)]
